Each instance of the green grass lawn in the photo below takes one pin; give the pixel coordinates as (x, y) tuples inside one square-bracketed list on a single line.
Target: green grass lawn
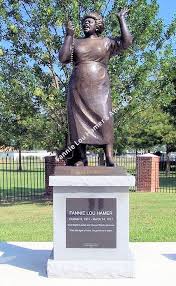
[(26, 222), (152, 218)]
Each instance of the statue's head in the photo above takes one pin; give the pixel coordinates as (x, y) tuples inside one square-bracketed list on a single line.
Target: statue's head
[(93, 23)]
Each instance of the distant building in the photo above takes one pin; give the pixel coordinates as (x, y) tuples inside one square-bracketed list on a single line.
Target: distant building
[(7, 149)]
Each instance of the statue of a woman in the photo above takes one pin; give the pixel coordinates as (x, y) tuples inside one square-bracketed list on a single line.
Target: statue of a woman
[(88, 101)]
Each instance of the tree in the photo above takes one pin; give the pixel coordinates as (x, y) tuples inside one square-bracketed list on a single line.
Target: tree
[(144, 79), (32, 33), (150, 123), (171, 109)]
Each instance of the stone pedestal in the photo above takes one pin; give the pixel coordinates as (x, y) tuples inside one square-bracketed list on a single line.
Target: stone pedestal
[(91, 223), (147, 173)]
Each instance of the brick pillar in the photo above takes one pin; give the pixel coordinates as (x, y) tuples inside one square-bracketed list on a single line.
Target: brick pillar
[(50, 163), (147, 179), (49, 170)]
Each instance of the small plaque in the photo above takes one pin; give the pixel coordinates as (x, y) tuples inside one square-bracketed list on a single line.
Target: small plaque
[(90, 223)]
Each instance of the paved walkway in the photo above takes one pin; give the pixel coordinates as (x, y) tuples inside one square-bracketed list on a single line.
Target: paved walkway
[(23, 263)]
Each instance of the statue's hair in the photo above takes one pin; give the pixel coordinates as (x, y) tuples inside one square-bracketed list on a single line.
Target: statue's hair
[(98, 20)]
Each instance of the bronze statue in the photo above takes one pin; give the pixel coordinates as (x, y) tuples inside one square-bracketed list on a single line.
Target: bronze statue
[(88, 101)]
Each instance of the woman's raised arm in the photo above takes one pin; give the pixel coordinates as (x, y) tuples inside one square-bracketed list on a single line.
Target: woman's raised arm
[(66, 49), (126, 37)]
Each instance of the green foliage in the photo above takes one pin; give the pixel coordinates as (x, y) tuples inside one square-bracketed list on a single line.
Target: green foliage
[(31, 35)]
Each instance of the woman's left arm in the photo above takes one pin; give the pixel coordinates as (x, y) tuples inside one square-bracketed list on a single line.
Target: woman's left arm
[(126, 37)]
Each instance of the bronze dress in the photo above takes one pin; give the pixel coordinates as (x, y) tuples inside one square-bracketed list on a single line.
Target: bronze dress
[(89, 101)]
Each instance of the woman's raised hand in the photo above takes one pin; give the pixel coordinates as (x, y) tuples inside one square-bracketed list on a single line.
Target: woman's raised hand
[(69, 29), (123, 12)]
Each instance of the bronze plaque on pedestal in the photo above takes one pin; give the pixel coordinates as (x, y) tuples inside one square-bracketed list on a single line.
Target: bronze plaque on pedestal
[(90, 223)]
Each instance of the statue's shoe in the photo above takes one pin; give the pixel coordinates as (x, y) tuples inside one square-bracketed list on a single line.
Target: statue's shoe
[(83, 162)]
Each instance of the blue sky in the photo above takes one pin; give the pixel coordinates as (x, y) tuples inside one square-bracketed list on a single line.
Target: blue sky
[(167, 9)]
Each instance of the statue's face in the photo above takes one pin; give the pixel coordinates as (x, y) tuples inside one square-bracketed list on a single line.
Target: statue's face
[(89, 26)]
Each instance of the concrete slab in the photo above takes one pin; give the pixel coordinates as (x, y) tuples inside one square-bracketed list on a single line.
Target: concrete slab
[(23, 263)]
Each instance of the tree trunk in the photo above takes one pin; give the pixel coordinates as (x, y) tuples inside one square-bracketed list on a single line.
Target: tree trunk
[(20, 160), (167, 162)]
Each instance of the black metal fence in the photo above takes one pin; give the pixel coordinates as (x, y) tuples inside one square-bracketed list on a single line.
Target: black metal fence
[(167, 170), (26, 180), (22, 181), (167, 175)]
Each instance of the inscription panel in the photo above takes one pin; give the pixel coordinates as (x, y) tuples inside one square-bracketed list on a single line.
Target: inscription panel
[(91, 223)]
